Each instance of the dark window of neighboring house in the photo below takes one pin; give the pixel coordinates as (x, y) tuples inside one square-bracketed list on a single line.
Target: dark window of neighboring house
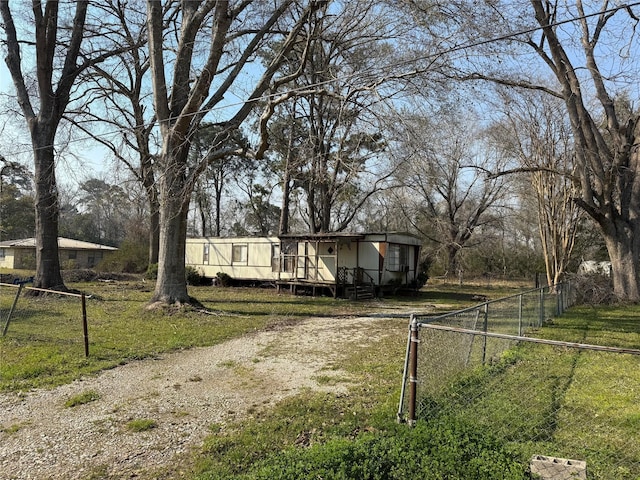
[(73, 254), (239, 253), (2, 254), (397, 258), (205, 254), (94, 258)]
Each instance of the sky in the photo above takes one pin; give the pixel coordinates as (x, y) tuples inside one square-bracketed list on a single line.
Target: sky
[(93, 162), (5, 80)]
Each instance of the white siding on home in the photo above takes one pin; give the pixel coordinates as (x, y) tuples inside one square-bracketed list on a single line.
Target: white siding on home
[(317, 261), (252, 259), (385, 258)]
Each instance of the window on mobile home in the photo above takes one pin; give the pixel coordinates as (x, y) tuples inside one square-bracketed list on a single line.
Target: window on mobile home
[(205, 254), (239, 254), (397, 258)]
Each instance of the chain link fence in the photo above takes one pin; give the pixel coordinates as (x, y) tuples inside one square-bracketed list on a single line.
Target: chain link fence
[(482, 365), (23, 308)]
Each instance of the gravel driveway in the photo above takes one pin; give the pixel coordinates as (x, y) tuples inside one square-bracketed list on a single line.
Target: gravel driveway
[(184, 393)]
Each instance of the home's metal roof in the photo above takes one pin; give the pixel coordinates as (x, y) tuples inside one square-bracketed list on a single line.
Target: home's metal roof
[(333, 236), (63, 243)]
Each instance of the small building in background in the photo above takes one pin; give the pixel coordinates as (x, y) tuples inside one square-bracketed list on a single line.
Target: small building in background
[(21, 254), (344, 264)]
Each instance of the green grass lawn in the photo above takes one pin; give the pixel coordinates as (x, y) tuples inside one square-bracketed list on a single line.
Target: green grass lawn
[(557, 401), (582, 405), (488, 424), (44, 345)]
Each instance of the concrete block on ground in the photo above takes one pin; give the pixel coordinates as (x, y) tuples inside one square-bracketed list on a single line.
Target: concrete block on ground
[(552, 468)]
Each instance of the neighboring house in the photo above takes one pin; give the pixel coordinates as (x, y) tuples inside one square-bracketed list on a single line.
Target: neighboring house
[(345, 264), (73, 253)]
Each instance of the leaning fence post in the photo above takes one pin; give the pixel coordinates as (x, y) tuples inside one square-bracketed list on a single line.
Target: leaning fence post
[(413, 372), (13, 307), (85, 328), (405, 373)]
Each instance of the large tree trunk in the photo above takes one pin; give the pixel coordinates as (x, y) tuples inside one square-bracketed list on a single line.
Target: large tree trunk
[(623, 245), (46, 208), (453, 265), (610, 173), (171, 287)]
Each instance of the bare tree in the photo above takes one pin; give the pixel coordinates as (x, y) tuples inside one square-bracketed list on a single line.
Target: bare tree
[(56, 42), (538, 133), (328, 131), (259, 215), (218, 175), (589, 55), (195, 84), (449, 194), (118, 114)]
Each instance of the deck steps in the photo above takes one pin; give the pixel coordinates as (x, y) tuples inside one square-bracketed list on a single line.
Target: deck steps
[(360, 292)]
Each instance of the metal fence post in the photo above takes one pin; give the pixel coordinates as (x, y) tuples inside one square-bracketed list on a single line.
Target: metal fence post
[(85, 328), (413, 372), (405, 373), (13, 308)]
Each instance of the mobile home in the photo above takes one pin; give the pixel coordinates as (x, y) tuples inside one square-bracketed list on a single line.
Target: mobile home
[(344, 264)]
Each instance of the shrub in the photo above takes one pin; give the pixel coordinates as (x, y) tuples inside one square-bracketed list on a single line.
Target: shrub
[(223, 279), (193, 276), (69, 264), (27, 261), (152, 272), (131, 257), (441, 449)]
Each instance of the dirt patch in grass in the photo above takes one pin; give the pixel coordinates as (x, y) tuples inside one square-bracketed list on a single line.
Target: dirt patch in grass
[(185, 393)]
